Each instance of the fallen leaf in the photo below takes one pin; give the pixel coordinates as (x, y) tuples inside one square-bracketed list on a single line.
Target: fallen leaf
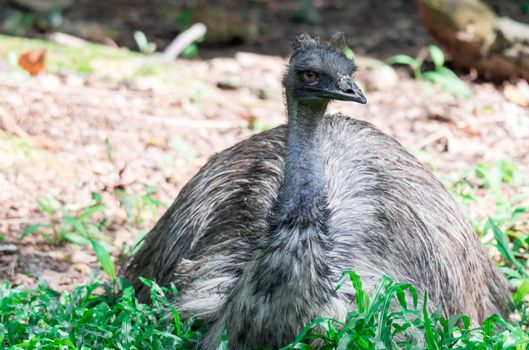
[(33, 61), (514, 94), (23, 280), (45, 143), (466, 128), (157, 142)]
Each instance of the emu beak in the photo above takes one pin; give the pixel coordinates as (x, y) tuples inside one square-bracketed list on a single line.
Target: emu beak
[(347, 90)]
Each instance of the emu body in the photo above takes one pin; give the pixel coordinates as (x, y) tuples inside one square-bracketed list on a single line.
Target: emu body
[(258, 238)]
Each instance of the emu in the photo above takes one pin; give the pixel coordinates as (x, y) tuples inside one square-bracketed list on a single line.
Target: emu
[(258, 238)]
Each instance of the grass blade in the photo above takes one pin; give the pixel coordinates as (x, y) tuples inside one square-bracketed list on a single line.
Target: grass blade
[(104, 259)]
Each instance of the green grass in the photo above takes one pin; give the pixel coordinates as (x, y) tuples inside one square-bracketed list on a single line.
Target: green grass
[(63, 58), (97, 60), (440, 75), (93, 316), (90, 59), (15, 149), (378, 324), (63, 225), (107, 315)]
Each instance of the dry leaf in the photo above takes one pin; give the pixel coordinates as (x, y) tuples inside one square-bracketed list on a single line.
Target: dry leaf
[(33, 61), (23, 280), (466, 128), (513, 94), (157, 142), (250, 118), (45, 143)]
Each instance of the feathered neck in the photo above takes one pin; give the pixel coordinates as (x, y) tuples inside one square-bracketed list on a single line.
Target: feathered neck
[(302, 198), (297, 234), (290, 278)]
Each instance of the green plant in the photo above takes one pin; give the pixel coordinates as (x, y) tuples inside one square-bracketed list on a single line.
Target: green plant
[(392, 318), (18, 22), (307, 13), (139, 207), (88, 319), (54, 17), (440, 75), (21, 22), (349, 53), (514, 249), (184, 20), (494, 175), (191, 51), (130, 249), (105, 260), (506, 229), (65, 226), (98, 60), (487, 181), (144, 45)]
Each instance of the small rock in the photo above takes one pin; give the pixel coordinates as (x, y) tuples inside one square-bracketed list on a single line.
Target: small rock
[(229, 84), (49, 82), (73, 80), (8, 248), (382, 77)]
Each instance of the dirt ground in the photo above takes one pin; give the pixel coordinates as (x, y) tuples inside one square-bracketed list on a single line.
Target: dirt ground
[(78, 134)]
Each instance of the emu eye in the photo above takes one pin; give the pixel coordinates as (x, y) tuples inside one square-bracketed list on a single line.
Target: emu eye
[(309, 77)]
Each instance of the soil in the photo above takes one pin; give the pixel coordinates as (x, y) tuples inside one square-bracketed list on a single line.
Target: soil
[(69, 135)]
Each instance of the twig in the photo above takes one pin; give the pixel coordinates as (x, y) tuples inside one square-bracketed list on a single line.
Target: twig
[(8, 123), (67, 40), (182, 41), (12, 266), (432, 138)]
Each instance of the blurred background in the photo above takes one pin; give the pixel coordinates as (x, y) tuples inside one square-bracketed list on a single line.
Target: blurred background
[(107, 108)]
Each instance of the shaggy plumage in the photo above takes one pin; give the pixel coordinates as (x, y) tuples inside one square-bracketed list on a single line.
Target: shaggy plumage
[(257, 240)]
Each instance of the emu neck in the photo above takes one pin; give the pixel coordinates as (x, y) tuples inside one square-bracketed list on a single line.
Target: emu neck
[(303, 184), (293, 261), (290, 277)]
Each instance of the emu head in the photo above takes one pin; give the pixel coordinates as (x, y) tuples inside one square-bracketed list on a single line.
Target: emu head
[(321, 72)]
